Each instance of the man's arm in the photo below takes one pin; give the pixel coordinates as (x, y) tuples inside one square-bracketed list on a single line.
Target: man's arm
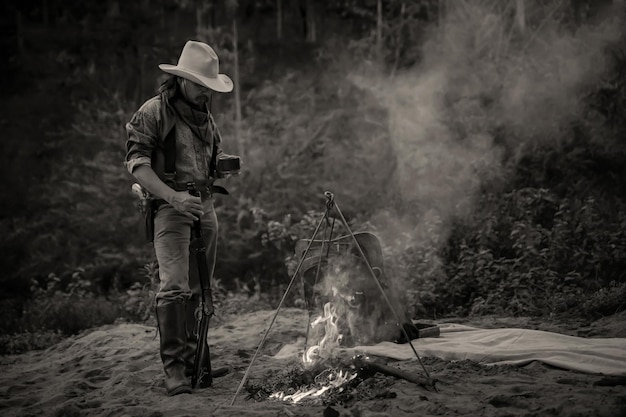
[(189, 205), (143, 135)]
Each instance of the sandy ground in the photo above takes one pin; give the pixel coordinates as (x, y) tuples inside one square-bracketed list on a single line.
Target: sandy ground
[(116, 371)]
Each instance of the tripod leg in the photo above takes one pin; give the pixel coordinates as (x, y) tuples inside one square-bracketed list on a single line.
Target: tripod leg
[(380, 287), (295, 274)]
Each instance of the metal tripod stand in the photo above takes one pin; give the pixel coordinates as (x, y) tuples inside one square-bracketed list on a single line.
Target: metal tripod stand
[(330, 206)]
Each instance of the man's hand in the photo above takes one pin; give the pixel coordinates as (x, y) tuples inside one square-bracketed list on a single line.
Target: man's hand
[(189, 205)]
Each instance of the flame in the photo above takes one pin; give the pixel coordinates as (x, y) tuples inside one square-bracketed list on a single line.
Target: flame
[(327, 328), (330, 341), (332, 379)]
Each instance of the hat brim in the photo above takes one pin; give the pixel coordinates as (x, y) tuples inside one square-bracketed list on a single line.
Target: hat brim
[(222, 83)]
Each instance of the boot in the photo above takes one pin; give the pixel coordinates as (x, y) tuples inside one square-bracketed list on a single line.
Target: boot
[(189, 354), (171, 321)]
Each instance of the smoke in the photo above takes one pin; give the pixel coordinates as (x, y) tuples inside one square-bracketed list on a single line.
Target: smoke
[(477, 77)]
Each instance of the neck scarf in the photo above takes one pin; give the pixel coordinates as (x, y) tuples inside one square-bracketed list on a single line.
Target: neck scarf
[(195, 118)]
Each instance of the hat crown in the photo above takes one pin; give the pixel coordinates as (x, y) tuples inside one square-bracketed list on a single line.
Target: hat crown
[(199, 58), (198, 62)]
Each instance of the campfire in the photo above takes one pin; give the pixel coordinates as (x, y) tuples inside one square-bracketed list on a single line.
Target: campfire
[(328, 380), (325, 377), (330, 385), (350, 303)]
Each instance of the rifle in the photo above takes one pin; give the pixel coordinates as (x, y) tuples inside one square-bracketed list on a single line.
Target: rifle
[(202, 362)]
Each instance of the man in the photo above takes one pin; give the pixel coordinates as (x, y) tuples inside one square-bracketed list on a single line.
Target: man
[(173, 140)]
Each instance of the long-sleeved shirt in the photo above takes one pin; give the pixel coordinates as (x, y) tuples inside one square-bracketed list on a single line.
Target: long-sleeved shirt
[(147, 130)]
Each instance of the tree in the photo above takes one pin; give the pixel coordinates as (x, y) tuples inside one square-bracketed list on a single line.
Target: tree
[(379, 31), (520, 16), (279, 19), (238, 139), (231, 8), (309, 15)]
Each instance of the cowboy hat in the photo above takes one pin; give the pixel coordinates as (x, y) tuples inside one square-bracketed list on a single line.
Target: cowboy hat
[(199, 63)]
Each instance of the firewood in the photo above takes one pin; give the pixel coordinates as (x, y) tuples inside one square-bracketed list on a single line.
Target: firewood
[(368, 366)]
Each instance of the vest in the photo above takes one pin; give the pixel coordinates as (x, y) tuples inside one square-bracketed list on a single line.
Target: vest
[(164, 157)]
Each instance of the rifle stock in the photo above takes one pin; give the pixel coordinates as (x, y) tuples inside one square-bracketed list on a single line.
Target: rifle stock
[(202, 363)]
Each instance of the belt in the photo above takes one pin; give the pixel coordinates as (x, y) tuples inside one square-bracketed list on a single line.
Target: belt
[(206, 188)]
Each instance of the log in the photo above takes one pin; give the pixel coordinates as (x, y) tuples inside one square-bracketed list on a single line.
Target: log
[(366, 365)]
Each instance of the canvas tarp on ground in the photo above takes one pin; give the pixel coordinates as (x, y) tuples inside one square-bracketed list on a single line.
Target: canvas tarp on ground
[(605, 356)]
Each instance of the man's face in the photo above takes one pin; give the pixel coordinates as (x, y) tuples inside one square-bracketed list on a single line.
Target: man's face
[(195, 93)]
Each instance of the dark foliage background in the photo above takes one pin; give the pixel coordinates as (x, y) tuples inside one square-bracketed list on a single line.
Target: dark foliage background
[(483, 141)]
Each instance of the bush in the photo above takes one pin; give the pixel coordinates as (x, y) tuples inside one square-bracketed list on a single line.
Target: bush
[(606, 301), (528, 252), (27, 341), (257, 246), (66, 307), (138, 302)]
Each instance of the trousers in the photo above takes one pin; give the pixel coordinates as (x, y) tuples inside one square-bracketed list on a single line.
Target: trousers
[(178, 269)]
